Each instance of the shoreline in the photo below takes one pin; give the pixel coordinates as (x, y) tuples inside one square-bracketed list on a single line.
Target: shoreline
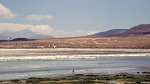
[(121, 78)]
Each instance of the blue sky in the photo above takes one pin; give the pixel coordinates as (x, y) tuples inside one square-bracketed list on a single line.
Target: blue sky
[(72, 17)]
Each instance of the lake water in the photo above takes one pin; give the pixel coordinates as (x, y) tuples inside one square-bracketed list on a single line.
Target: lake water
[(22, 63)]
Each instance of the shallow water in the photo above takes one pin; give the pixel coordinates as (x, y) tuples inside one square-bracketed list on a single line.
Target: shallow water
[(37, 66)]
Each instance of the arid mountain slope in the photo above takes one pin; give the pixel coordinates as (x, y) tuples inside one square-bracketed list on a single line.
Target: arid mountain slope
[(110, 32), (140, 29)]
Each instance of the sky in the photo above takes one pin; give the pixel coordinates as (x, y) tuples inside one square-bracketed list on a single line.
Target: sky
[(65, 18)]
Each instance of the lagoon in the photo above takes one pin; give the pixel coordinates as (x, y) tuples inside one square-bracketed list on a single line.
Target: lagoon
[(25, 63)]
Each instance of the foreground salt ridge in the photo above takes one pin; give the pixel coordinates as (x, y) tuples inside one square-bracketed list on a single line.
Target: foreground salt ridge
[(47, 54), (3, 58), (71, 49)]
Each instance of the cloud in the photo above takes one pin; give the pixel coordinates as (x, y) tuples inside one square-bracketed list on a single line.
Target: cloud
[(39, 17), (6, 12), (39, 29), (43, 29)]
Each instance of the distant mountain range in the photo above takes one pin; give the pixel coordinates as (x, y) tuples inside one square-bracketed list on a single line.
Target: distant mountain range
[(22, 34), (41, 37), (141, 29), (111, 32), (2, 37)]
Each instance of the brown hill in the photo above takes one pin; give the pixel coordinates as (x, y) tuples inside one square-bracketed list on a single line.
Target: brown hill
[(110, 32), (140, 29)]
